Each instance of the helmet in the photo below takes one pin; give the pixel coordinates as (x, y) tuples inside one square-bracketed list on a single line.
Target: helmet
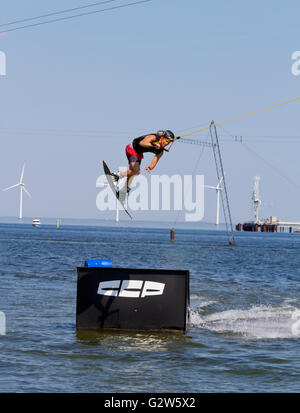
[(169, 135), (166, 133)]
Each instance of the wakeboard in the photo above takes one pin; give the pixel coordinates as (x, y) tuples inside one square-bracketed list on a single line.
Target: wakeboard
[(110, 181)]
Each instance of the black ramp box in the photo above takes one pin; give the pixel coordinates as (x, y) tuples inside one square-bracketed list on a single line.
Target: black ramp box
[(134, 299)]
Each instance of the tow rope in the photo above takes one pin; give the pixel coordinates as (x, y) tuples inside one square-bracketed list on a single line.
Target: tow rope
[(230, 120)]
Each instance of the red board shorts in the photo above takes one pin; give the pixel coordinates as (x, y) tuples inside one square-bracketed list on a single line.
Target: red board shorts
[(132, 155)]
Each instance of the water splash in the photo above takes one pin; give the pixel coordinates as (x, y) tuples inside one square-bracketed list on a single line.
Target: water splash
[(258, 322), (203, 301)]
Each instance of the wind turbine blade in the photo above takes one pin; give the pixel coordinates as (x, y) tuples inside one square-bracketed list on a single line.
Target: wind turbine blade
[(10, 187), (27, 192), (22, 173)]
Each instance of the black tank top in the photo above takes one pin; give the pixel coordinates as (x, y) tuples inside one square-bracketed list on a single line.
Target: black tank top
[(141, 149)]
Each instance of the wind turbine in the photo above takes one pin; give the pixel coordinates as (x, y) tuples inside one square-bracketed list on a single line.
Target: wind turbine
[(256, 198), (22, 187), (218, 189)]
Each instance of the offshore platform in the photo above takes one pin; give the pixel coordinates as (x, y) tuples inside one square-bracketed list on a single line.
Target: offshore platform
[(271, 224)]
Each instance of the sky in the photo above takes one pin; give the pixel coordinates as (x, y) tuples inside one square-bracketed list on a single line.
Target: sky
[(77, 91)]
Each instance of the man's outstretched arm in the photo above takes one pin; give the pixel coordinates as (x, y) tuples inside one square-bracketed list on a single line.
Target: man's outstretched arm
[(154, 162)]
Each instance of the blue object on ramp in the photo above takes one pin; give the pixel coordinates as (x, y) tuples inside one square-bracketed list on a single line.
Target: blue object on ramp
[(98, 263)]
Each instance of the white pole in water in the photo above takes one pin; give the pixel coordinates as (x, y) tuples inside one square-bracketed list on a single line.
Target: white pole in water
[(117, 211), (117, 203), (218, 189), (21, 203), (218, 208)]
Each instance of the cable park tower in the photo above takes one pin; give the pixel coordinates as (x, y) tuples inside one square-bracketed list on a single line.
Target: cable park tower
[(221, 177)]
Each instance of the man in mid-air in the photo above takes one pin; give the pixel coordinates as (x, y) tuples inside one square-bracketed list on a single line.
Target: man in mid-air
[(154, 143)]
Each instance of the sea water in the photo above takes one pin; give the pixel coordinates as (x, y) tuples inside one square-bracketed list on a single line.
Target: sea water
[(244, 331)]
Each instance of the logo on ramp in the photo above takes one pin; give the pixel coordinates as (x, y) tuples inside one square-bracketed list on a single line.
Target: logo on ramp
[(130, 288)]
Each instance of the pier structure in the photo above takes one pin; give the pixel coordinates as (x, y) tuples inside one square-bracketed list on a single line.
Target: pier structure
[(271, 224)]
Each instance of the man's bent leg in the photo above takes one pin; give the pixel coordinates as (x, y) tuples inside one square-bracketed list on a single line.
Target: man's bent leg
[(134, 169)]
